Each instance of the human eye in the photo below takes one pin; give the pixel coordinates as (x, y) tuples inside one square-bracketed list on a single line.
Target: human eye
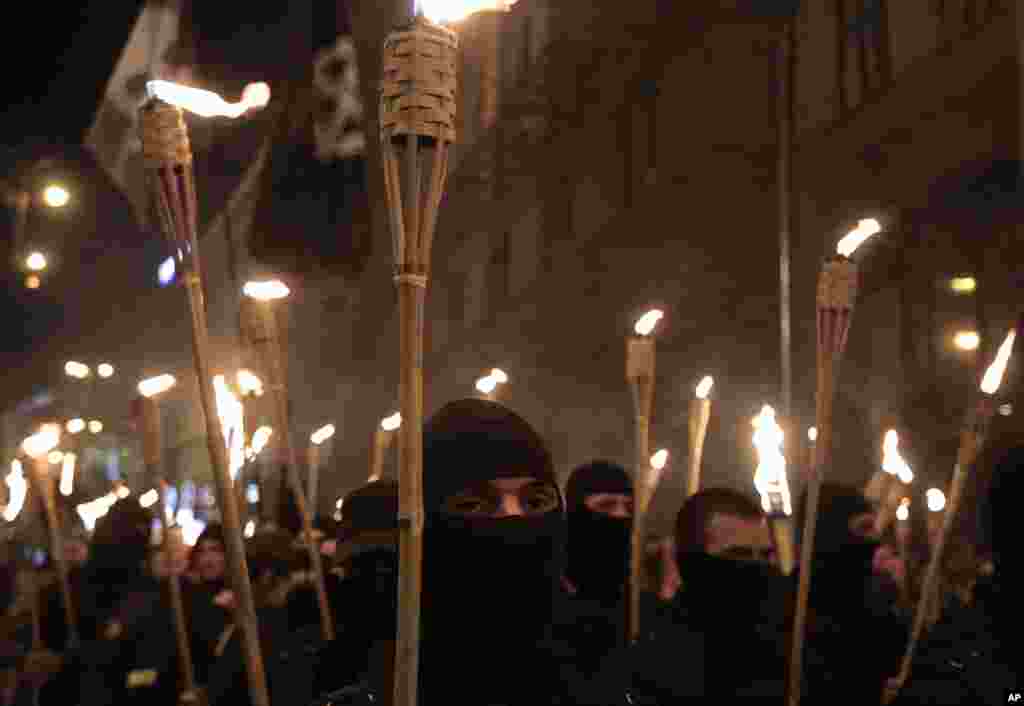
[(468, 504), (540, 498)]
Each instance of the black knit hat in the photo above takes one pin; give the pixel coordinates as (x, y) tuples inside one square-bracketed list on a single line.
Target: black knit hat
[(470, 440), (373, 508), (596, 477), (837, 505)]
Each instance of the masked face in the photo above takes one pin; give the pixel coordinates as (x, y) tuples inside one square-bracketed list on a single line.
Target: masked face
[(503, 497), (739, 538), (599, 545)]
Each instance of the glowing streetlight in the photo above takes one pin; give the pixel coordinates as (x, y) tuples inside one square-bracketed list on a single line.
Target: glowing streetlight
[(967, 340), (76, 370), (936, 499), (95, 426), (105, 370), (75, 426), (265, 291), (56, 196), (36, 261), (151, 387)]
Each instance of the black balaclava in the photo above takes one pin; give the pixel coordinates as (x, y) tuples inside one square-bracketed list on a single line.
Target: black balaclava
[(1001, 523), (489, 585), (598, 545), (842, 560)]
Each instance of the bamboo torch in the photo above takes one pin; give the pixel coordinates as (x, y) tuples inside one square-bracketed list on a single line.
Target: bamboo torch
[(316, 442), (152, 452), (773, 486), (168, 157), (265, 336), (417, 130), (382, 438), (836, 296), (895, 475), (700, 414), (972, 439), (37, 447), (640, 376)]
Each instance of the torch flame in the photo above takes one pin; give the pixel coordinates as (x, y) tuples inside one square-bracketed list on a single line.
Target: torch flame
[(658, 463), (994, 374), (67, 474), (892, 461), (936, 499), (18, 489), (249, 383), (232, 420), (646, 323), (499, 376), (207, 103), (157, 385), (322, 434), (391, 423), (149, 498), (866, 228), (704, 387), (449, 11), (903, 511), (266, 291), (486, 385), (770, 476), (259, 440), (812, 434), (41, 443)]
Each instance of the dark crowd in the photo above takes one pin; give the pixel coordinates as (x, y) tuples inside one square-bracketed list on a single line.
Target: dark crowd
[(524, 598)]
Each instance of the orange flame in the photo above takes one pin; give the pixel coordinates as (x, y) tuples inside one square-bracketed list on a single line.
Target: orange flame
[(994, 374)]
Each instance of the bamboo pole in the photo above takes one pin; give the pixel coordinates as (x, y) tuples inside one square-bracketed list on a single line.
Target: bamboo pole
[(700, 414), (640, 376), (168, 155), (46, 488), (270, 350), (152, 448)]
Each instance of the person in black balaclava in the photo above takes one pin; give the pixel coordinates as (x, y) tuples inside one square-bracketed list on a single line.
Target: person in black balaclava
[(365, 604), (205, 619), (599, 498), (853, 640), (974, 656), (493, 548), (725, 639)]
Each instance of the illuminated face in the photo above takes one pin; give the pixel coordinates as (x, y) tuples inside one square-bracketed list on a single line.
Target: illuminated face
[(504, 497), (76, 552), (738, 538), (888, 561), (617, 505), (210, 560)]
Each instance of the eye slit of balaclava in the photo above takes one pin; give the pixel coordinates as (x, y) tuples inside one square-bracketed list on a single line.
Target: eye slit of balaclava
[(481, 499)]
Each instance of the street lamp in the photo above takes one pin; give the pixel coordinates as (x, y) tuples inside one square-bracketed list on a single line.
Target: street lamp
[(95, 426), (75, 426), (79, 371)]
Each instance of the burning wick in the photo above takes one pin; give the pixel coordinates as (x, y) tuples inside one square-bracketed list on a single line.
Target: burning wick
[(903, 511), (658, 462), (43, 442), (67, 474), (322, 434), (157, 385), (994, 374), (704, 387), (266, 291), (260, 437), (770, 476), (391, 423), (207, 103), (18, 489), (646, 323), (936, 499), (866, 228), (249, 383), (892, 462)]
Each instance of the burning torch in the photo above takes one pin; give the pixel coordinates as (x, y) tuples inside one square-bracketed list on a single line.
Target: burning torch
[(700, 414), (772, 485)]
